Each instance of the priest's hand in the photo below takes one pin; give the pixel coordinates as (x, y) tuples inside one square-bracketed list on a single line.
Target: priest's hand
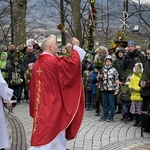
[(75, 41)]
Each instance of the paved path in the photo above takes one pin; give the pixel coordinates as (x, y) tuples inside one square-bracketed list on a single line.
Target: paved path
[(93, 135)]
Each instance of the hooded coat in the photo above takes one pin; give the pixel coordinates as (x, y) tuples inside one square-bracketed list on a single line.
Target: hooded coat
[(118, 63), (4, 65), (129, 60)]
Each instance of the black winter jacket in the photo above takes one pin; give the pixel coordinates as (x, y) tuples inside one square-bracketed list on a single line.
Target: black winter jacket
[(129, 60), (29, 58), (146, 77)]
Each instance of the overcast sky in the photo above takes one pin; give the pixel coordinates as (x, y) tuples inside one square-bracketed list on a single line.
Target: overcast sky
[(142, 1)]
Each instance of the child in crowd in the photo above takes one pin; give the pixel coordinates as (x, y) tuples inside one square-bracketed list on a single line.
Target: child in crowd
[(123, 99), (109, 88), (28, 76), (87, 86), (64, 51), (16, 74), (136, 99), (4, 65), (94, 86)]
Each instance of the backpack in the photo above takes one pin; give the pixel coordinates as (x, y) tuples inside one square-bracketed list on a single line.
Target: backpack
[(124, 94)]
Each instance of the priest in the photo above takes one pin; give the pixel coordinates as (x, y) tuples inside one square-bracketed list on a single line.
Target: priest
[(57, 97), (5, 94)]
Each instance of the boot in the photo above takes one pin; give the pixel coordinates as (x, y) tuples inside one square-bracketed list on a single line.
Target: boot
[(97, 108), (139, 121), (136, 120), (87, 106)]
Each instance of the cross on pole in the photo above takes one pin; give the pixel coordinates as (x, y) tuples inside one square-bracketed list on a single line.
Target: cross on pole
[(125, 19)]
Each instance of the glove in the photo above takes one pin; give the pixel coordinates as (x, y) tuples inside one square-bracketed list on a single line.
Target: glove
[(21, 80)]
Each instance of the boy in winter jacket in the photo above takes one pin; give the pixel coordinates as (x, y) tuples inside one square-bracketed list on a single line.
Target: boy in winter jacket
[(109, 88)]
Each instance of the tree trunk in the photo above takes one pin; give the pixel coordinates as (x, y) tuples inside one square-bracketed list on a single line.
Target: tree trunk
[(76, 19), (19, 22), (62, 21)]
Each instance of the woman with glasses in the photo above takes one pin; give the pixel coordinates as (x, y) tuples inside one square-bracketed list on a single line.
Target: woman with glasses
[(145, 90)]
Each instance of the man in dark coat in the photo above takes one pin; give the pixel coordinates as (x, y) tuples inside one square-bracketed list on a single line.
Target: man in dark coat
[(145, 92), (131, 58), (30, 57)]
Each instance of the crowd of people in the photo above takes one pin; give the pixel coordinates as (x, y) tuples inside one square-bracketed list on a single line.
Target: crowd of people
[(113, 83), (118, 82), (16, 65), (48, 81)]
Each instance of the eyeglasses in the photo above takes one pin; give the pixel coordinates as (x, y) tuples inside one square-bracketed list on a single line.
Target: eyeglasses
[(147, 53)]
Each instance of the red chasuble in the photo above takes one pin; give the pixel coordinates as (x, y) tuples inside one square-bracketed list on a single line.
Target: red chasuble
[(56, 97)]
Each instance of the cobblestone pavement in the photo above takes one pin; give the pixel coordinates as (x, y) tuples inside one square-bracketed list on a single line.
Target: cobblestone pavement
[(93, 134)]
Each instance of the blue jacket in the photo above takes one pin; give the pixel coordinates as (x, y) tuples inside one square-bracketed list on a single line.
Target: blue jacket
[(93, 82)]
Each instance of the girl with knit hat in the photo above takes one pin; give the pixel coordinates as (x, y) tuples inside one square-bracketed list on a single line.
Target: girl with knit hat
[(136, 99)]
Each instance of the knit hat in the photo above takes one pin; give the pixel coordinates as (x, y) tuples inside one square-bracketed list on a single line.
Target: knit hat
[(131, 43), (139, 65), (108, 57), (121, 49), (15, 60)]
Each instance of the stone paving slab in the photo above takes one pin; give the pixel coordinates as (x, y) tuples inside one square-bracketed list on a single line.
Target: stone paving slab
[(93, 134), (16, 132), (141, 146)]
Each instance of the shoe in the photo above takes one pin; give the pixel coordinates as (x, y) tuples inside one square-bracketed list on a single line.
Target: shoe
[(118, 112), (130, 119), (96, 114), (88, 109), (102, 119), (125, 120), (122, 119), (135, 124), (139, 125), (110, 120)]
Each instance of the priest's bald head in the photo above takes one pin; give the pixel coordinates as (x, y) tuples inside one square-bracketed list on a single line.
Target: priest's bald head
[(49, 45)]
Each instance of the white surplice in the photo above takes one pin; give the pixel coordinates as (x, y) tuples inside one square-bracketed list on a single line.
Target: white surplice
[(5, 93), (58, 143)]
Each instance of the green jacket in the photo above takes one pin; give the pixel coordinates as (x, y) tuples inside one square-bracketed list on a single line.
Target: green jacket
[(3, 65)]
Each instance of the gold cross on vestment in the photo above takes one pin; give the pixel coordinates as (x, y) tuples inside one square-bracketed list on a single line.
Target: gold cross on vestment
[(39, 71)]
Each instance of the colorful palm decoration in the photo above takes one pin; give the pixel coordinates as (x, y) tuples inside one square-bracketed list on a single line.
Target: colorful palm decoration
[(91, 25), (118, 38)]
